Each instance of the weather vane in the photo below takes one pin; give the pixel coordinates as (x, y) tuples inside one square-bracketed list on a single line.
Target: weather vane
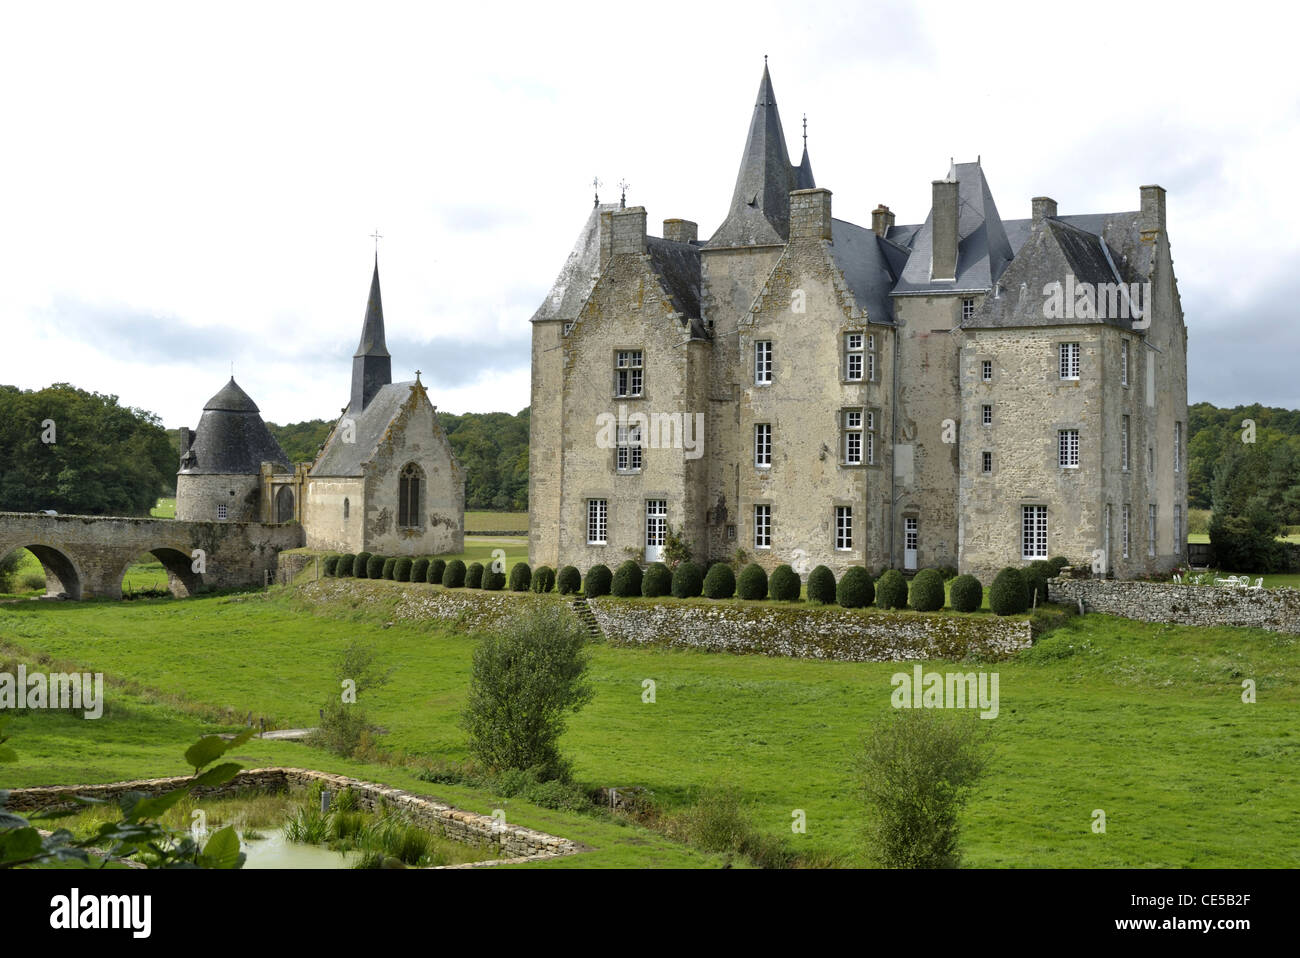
[(623, 185), (596, 185)]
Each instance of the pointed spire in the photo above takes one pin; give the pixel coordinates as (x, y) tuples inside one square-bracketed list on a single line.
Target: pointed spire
[(371, 364), (804, 175), (372, 331)]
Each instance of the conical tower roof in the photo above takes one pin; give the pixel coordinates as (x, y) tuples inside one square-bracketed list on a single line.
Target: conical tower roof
[(372, 368), (372, 330), (231, 438)]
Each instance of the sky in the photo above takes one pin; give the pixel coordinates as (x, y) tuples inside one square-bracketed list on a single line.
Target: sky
[(186, 187)]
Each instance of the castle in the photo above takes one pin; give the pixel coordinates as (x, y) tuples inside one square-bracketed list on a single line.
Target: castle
[(967, 391), (385, 481)]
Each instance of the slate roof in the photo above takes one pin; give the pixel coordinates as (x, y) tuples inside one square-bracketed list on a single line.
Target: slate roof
[(341, 458), (804, 175), (678, 266), (579, 274), (231, 438), (870, 266), (372, 330)]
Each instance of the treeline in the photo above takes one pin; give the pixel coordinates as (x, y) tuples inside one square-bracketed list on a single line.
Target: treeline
[(1255, 450), (79, 452)]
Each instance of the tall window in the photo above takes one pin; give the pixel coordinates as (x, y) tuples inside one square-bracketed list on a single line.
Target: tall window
[(871, 357), (627, 373), (1178, 530), (763, 362), (844, 527), (871, 437), (1105, 536), (1033, 532), (347, 507), (1069, 360), (1123, 362), (967, 308), (1124, 528), (1067, 448), (762, 527), (1151, 460), (986, 413), (1123, 443), (597, 522), (853, 437), (1151, 530), (629, 449), (986, 370), (986, 462), (408, 496), (763, 445), (1178, 447), (854, 356)]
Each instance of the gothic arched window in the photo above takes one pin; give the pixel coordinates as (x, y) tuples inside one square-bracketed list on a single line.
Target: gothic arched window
[(345, 508), (408, 496)]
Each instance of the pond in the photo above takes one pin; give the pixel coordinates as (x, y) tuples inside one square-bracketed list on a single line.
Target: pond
[(274, 850)]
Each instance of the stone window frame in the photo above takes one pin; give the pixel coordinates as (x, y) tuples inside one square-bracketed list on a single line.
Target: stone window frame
[(635, 448), (223, 511), (1073, 364), (1153, 517), (759, 364), (766, 526), (597, 512), (1178, 447), (1178, 528), (1126, 528), (758, 447), (986, 368), (1126, 443), (347, 508), (986, 414), (848, 352), (846, 431), (838, 527), (986, 462), (1063, 447), (412, 471), (1040, 535), (1125, 356), (638, 370), (967, 308)]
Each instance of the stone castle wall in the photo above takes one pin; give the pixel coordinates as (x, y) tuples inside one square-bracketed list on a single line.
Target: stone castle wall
[(1277, 610)]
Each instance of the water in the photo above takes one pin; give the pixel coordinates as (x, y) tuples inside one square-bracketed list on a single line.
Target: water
[(276, 851)]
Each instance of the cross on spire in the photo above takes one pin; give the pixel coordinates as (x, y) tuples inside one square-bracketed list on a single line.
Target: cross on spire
[(376, 237)]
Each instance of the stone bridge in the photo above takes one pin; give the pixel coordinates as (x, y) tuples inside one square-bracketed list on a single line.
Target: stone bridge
[(86, 556)]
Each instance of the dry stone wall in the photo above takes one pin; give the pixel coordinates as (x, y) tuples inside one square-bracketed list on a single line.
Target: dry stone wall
[(1275, 609)]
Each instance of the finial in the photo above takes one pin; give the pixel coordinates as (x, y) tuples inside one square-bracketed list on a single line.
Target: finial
[(417, 378), (622, 201), (596, 185), (376, 237), (764, 59), (805, 131)]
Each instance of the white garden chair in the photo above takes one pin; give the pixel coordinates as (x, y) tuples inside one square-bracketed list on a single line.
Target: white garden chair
[(1259, 583)]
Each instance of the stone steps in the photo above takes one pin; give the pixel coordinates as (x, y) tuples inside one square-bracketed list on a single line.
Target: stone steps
[(587, 617)]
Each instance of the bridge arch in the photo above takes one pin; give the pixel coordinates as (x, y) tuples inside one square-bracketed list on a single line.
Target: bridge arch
[(182, 580), (62, 574)]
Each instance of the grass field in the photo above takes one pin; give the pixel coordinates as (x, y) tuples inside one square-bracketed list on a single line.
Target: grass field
[(1143, 721), (496, 521), (165, 509)]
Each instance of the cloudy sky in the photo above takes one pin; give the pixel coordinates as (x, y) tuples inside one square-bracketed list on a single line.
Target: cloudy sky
[(185, 186)]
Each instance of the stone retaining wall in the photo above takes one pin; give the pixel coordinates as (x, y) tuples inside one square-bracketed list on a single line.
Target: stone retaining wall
[(1275, 609), (516, 843), (810, 632)]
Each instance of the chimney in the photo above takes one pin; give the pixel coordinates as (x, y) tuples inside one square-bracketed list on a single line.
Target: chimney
[(627, 234), (943, 224), (881, 220), (1044, 209), (810, 214), (1151, 221), (606, 236), (681, 231)]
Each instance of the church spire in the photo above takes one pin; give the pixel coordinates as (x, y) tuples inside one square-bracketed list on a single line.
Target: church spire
[(371, 364), (804, 175)]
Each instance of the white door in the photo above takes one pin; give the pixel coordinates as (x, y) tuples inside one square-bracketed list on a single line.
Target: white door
[(656, 528), (909, 544)]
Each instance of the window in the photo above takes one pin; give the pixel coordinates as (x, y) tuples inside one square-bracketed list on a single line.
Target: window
[(871, 438), (629, 449), (763, 362), (1178, 530), (568, 327), (986, 412), (986, 370), (1151, 460), (1178, 447), (762, 527), (408, 496), (987, 462), (346, 508), (967, 308), (1067, 448), (854, 356), (1033, 532), (763, 445), (1069, 360), (1123, 443), (853, 437), (731, 532), (1151, 530), (1123, 362), (871, 357), (627, 373), (221, 511), (1124, 528), (1105, 539), (843, 527), (597, 522)]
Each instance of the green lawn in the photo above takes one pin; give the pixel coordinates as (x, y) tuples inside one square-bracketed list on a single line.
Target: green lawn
[(1143, 721), (496, 521), (165, 509)]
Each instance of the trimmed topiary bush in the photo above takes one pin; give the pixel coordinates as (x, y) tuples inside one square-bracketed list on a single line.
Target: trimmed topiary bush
[(891, 590), (329, 564), (856, 590), (1036, 583), (375, 567), (344, 568), (543, 579), (437, 571), (965, 594), (474, 575), (927, 591), (521, 577), (720, 583), (784, 584), (627, 580), (402, 569), (493, 581), (688, 580), (1057, 563), (453, 574), (569, 581), (361, 567), (390, 567), (420, 569), (752, 583), (657, 581), (947, 572), (821, 586), (599, 579), (1009, 595)]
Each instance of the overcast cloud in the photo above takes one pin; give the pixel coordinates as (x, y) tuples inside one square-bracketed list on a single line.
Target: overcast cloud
[(187, 187)]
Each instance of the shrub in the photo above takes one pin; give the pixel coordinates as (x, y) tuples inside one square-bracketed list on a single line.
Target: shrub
[(453, 576), (344, 568), (402, 569), (361, 566), (927, 591), (784, 585), (420, 569), (720, 583), (390, 567), (752, 583), (569, 581), (343, 726), (627, 580), (1248, 542), (474, 575), (821, 586), (599, 579), (1009, 595), (521, 577), (1036, 583), (856, 589), (915, 772), (525, 680), (329, 564), (543, 579), (965, 594), (1057, 563), (375, 567), (437, 571), (688, 580), (891, 590), (493, 581), (657, 581)]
